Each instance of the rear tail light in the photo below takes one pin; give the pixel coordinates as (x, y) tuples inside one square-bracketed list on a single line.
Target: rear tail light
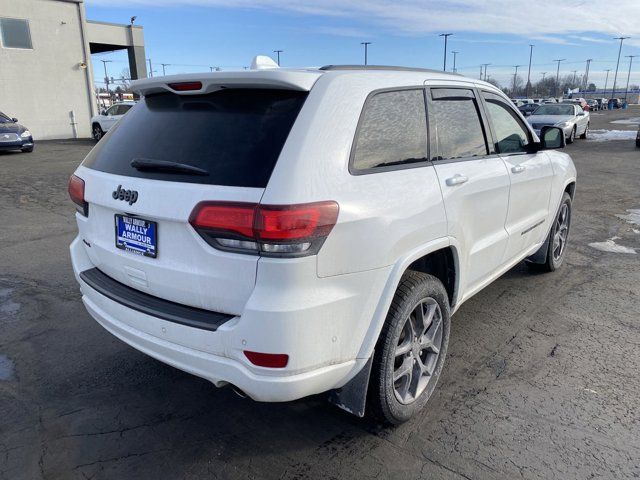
[(269, 360), (185, 86), (76, 192), (270, 230)]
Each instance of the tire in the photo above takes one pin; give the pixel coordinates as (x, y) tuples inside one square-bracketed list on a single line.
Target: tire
[(553, 261), (395, 402), (572, 137), (97, 132), (585, 133)]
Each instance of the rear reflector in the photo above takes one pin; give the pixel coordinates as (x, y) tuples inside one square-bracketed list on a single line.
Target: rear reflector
[(185, 86), (76, 193), (269, 360), (271, 230)]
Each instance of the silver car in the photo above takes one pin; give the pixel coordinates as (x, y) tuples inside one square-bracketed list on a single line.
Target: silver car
[(570, 117)]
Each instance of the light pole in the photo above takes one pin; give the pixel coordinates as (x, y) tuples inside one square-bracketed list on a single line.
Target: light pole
[(558, 74), (485, 65), (575, 76), (515, 76), (106, 76), (529, 73), (150, 68), (615, 77), (626, 90), (278, 52), (366, 50), (543, 75), (446, 36), (163, 68), (455, 54), (606, 82), (586, 74)]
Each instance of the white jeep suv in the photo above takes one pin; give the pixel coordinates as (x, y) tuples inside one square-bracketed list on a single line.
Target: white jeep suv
[(302, 231), (102, 123)]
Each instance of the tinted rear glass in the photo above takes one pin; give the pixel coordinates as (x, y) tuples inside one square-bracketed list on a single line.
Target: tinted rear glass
[(236, 135)]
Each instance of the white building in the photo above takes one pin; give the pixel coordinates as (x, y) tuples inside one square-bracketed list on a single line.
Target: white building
[(46, 76)]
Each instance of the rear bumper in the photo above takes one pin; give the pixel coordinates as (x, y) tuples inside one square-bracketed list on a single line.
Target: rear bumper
[(320, 338)]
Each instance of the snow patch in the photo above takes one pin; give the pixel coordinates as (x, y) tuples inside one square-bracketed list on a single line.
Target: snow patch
[(612, 247), (633, 216), (607, 135), (628, 121)]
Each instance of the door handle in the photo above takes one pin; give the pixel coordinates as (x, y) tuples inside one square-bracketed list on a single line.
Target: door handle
[(518, 168), (457, 179)]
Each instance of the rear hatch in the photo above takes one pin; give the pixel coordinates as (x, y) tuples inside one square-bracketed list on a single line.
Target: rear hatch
[(170, 152)]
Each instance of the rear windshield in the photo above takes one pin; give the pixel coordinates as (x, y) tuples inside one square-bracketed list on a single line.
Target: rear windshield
[(235, 135)]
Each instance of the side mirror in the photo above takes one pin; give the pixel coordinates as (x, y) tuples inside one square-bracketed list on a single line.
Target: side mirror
[(14, 119), (103, 112), (527, 114), (552, 138)]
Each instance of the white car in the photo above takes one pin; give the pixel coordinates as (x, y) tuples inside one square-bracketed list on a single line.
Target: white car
[(101, 124), (569, 116), (313, 230)]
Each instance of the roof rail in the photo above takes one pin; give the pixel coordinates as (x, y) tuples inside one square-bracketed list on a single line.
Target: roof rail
[(384, 67)]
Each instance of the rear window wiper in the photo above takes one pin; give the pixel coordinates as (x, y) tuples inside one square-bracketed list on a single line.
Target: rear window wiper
[(151, 164)]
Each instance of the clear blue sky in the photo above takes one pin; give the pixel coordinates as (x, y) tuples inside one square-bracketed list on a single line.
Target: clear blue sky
[(192, 35)]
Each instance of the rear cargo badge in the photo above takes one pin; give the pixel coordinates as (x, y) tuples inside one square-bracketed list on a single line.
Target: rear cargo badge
[(130, 196)]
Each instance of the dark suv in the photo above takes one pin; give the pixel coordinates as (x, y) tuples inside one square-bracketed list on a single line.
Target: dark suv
[(14, 136)]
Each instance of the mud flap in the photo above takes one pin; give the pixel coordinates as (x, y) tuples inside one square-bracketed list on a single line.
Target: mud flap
[(352, 397), (540, 257)]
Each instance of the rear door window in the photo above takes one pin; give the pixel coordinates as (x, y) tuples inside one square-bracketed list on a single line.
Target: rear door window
[(456, 130), (392, 131), (234, 135)]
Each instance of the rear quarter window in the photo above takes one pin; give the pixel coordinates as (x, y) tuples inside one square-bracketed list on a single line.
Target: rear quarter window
[(236, 135)]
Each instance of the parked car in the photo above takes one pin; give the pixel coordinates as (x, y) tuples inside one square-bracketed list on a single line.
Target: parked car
[(602, 103), (616, 102), (594, 106), (638, 138), (528, 108), (14, 136), (101, 124), (257, 235), (573, 120)]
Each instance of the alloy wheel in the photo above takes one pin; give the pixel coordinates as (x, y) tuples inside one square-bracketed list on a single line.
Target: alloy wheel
[(561, 232), (417, 351)]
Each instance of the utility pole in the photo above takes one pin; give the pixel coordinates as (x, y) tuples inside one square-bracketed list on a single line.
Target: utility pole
[(606, 82), (485, 65), (558, 74), (150, 68), (515, 76), (480, 72), (106, 76), (163, 66), (278, 52), (586, 74), (529, 73), (575, 76), (626, 90), (366, 51), (446, 36), (455, 54), (615, 78)]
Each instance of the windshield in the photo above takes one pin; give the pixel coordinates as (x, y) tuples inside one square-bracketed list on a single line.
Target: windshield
[(4, 118), (554, 110)]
